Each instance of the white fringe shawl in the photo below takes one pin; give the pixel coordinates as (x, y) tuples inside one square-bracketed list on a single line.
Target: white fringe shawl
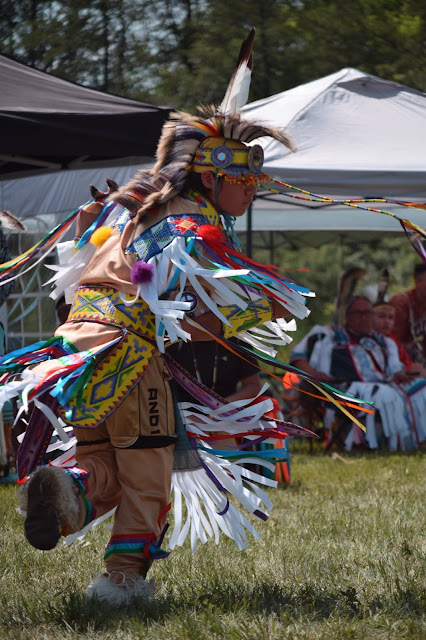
[(391, 404), (201, 498), (175, 270)]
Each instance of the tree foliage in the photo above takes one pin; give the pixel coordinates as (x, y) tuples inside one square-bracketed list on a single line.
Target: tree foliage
[(181, 52), (383, 37)]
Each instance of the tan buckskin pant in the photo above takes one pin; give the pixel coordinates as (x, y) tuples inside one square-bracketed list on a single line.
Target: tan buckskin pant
[(136, 480)]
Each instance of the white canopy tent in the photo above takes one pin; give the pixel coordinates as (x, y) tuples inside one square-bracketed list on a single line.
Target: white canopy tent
[(356, 136), (354, 133)]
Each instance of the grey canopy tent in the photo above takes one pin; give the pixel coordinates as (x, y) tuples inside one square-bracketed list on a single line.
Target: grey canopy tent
[(50, 123), (51, 128)]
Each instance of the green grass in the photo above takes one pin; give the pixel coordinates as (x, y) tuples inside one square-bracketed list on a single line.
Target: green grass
[(341, 557)]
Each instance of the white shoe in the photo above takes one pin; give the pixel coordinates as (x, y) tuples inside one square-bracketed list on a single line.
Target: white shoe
[(120, 589)]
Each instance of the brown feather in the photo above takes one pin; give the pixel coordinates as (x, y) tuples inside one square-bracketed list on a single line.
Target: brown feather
[(246, 50), (9, 221), (347, 282), (382, 287)]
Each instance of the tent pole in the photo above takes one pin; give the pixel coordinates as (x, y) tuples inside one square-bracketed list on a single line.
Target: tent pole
[(271, 247), (249, 230), (340, 252)]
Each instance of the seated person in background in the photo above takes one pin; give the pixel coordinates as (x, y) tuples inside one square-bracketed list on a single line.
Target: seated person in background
[(346, 348), (370, 366), (383, 322), (410, 316)]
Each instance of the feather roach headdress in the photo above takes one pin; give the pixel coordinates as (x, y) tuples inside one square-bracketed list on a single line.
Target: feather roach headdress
[(215, 140), (382, 290), (346, 286), (9, 221)]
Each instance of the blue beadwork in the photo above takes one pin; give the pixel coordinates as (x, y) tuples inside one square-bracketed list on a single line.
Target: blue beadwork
[(153, 240)]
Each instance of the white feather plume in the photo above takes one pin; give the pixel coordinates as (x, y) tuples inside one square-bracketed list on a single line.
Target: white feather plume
[(237, 92)]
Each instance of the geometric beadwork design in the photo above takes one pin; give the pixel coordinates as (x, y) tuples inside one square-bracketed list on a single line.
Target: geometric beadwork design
[(120, 370), (153, 240), (257, 312), (112, 381), (104, 305), (122, 219)]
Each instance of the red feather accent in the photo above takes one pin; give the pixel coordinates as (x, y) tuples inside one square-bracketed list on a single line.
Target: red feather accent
[(216, 240), (213, 236), (261, 267)]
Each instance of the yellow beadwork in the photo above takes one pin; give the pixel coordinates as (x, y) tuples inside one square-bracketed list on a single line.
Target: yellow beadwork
[(116, 374), (256, 313)]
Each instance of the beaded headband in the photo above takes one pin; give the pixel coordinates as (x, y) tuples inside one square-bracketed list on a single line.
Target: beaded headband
[(215, 140), (232, 159), (383, 307)]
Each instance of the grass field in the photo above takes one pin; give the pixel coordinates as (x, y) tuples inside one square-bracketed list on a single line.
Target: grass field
[(341, 557)]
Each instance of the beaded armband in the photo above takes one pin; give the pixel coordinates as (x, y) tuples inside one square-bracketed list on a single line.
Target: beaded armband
[(257, 312)]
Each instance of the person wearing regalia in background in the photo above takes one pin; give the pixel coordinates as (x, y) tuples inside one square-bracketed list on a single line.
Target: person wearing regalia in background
[(384, 323), (413, 380), (368, 365), (410, 316)]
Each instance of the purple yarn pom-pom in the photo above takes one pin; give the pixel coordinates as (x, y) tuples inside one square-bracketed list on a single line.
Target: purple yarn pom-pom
[(141, 272)]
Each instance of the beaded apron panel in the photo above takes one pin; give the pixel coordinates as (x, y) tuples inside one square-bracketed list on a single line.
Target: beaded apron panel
[(119, 372)]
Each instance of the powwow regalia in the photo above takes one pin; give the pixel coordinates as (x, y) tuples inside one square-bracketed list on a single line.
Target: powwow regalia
[(152, 259)]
